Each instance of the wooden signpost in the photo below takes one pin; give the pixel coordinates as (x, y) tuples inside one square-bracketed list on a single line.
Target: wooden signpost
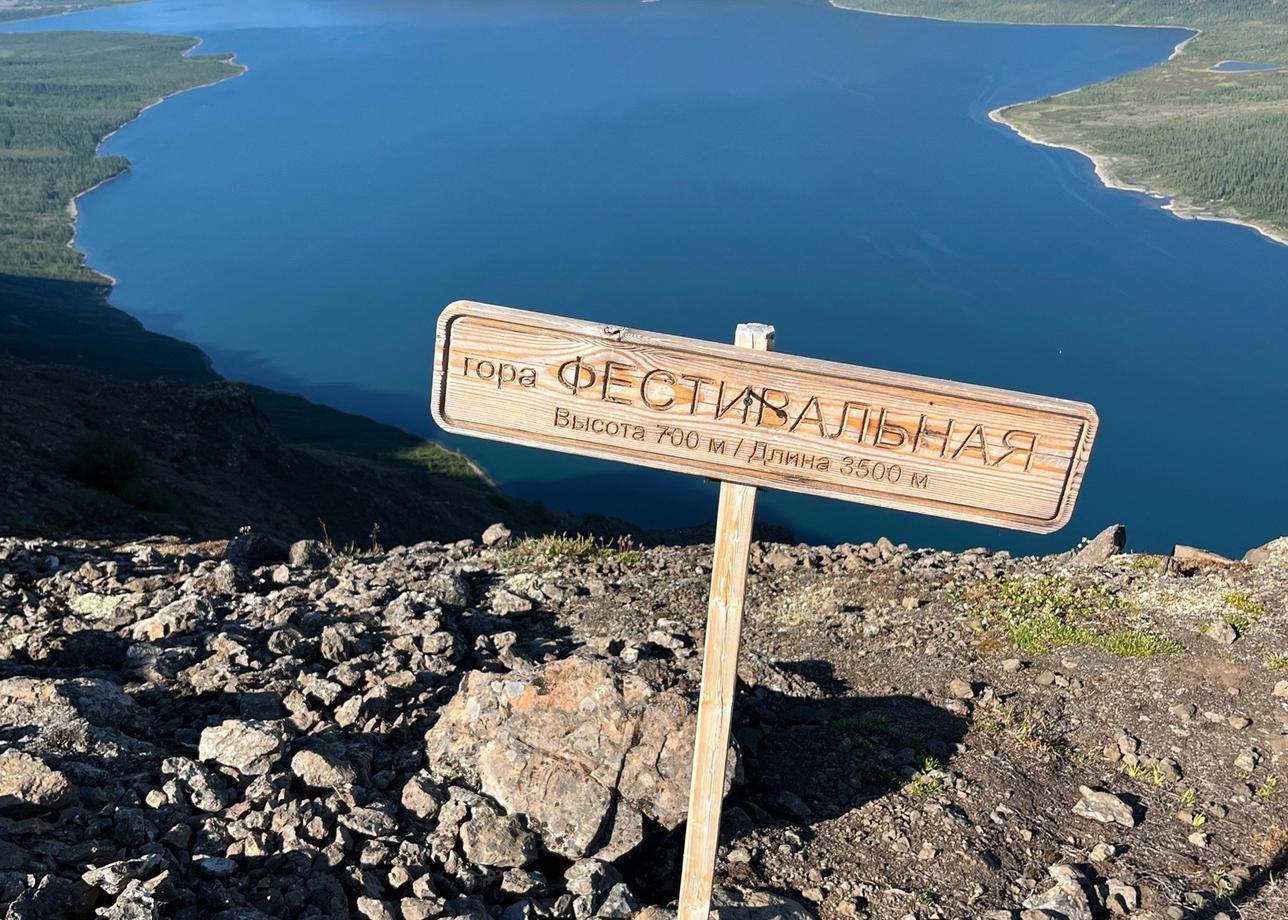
[(749, 417)]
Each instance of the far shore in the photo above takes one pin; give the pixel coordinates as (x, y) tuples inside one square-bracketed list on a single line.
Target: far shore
[(1109, 180), (73, 211), (1100, 162)]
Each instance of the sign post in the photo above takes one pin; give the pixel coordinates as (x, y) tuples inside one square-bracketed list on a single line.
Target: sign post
[(734, 518), (750, 417)]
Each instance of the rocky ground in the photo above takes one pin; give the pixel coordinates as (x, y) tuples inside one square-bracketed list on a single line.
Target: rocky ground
[(501, 728)]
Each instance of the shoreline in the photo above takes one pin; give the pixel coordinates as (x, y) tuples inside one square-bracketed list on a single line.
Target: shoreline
[(1102, 167), (73, 211), (1100, 163)]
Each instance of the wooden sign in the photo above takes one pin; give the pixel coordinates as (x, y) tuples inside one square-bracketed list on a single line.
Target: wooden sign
[(750, 417), (759, 418)]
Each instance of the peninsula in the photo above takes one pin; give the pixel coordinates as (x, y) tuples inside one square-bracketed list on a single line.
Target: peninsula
[(1210, 140)]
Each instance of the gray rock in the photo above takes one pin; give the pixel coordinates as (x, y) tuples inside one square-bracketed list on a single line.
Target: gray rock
[(249, 746), (1066, 898), (370, 822), (322, 769), (507, 603), (1190, 557), (584, 751), (253, 550), (1104, 807), (420, 797), (589, 880), (959, 689), (135, 902), (1221, 632), (730, 904), (114, 877), (497, 841), (183, 616), (451, 589), (204, 790), (523, 882), (1247, 760), (214, 866), (29, 787), (52, 898), (1274, 553), (1106, 544), (375, 909), (496, 535), (618, 904), (309, 554), (230, 579)]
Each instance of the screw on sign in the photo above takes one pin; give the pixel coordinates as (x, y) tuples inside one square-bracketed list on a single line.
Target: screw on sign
[(752, 418)]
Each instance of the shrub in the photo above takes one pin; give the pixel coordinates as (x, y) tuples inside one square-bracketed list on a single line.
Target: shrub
[(105, 462)]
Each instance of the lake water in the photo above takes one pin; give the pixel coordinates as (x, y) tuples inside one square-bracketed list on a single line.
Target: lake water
[(684, 166)]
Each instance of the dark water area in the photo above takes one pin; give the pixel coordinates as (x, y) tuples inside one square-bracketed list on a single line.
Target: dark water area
[(683, 166)]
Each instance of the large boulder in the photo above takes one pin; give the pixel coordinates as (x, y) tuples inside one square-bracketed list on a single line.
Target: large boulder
[(252, 747), (585, 751), (1274, 553), (29, 787), (76, 715)]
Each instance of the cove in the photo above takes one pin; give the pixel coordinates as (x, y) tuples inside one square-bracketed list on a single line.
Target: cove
[(682, 166)]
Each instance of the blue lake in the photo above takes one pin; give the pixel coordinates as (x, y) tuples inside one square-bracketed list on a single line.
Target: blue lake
[(682, 166)]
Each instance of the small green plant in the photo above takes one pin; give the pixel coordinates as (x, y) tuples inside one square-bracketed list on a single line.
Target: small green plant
[(1134, 770), (927, 784), (1198, 819), (1268, 786), (1049, 613), (1136, 643), (1277, 662), (1189, 798), (926, 898), (1157, 776), (1222, 887), (1247, 610), (1240, 601), (552, 548)]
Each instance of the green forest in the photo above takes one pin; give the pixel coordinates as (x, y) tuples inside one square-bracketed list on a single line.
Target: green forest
[(26, 9), (60, 93), (1216, 141)]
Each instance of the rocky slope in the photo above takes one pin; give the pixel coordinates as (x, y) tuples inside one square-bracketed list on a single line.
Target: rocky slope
[(241, 730), (92, 454)]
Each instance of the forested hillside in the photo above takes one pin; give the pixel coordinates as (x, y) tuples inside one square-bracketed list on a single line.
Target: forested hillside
[(60, 93), (1217, 141), (26, 9)]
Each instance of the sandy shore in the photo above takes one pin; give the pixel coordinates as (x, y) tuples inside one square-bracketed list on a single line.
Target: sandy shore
[(73, 211), (1101, 163)]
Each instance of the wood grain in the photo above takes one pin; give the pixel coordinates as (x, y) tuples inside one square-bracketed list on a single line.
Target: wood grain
[(761, 418), (719, 676)]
